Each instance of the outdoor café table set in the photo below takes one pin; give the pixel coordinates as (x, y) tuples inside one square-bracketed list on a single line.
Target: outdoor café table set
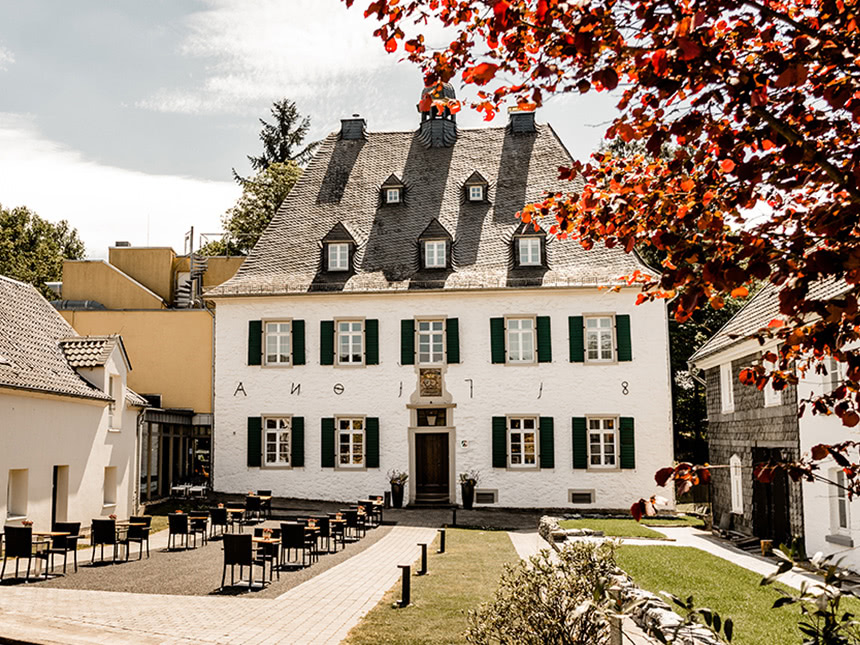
[(303, 533)]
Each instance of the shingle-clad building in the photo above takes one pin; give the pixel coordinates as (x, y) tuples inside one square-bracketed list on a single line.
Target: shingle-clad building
[(397, 315), (68, 423)]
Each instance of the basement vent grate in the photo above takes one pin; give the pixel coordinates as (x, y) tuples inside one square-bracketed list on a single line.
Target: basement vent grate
[(486, 496), (582, 497)]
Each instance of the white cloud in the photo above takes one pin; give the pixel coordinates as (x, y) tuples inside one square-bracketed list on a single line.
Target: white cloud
[(6, 58), (104, 203), (304, 49)]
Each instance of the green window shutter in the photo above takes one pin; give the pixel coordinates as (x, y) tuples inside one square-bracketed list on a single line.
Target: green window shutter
[(628, 443), (497, 340), (371, 342), (577, 342), (255, 342), (622, 337), (500, 442), (255, 441), (580, 442), (371, 446), (544, 340), (297, 447), (547, 442), (298, 342), (452, 338), (327, 443), (326, 342), (407, 342)]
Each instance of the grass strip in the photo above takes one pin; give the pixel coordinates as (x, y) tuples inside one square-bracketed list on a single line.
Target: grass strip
[(612, 528)]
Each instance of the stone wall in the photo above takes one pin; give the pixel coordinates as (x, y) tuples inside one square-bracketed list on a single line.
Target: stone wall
[(751, 425)]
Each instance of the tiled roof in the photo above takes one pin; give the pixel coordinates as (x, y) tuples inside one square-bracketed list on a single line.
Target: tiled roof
[(342, 183), (135, 399), (30, 332), (88, 351), (757, 313)]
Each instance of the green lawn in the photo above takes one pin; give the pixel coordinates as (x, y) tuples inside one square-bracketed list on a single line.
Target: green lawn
[(681, 520), (612, 528), (730, 590), (459, 580)]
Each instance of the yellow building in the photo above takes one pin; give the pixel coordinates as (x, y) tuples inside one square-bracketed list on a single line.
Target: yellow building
[(153, 298)]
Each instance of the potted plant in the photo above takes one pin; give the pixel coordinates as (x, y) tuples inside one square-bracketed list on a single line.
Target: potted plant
[(397, 479), (468, 481)]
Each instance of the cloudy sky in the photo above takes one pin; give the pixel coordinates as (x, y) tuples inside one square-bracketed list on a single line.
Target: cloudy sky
[(126, 117)]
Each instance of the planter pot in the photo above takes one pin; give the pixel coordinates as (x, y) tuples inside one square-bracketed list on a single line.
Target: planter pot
[(396, 495), (468, 492)]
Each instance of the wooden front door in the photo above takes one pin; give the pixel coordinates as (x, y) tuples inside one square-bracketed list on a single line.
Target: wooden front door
[(431, 468), (771, 519)]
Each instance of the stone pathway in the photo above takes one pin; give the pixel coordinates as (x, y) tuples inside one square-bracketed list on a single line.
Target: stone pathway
[(321, 610)]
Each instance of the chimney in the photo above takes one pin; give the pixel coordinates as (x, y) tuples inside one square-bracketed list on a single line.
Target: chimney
[(522, 121), (122, 243), (353, 128)]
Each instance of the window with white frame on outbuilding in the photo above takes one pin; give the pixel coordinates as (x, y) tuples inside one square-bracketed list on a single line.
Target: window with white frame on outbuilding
[(840, 519), (350, 442), (278, 342), (522, 442), (602, 442), (727, 390), (276, 440), (736, 482)]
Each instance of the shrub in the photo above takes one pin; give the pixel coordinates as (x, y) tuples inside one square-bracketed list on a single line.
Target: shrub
[(551, 599)]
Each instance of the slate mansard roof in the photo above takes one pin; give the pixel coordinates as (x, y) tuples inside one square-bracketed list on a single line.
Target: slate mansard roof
[(35, 341), (341, 186)]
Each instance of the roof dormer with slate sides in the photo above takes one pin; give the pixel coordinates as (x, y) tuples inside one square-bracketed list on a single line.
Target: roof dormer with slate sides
[(341, 185)]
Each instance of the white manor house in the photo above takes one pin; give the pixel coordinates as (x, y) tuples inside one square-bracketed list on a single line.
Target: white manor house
[(397, 315)]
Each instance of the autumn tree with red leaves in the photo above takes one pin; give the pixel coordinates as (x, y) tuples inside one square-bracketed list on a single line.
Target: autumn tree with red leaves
[(760, 103)]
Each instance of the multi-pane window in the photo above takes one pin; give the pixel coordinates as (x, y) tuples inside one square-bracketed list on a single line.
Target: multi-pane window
[(727, 390), (833, 379), (435, 254), (278, 343), (522, 442), (476, 193), (277, 440), (350, 442), (736, 479), (841, 518), (392, 195), (529, 251), (431, 341), (350, 341), (521, 340), (599, 338), (338, 257), (602, 443)]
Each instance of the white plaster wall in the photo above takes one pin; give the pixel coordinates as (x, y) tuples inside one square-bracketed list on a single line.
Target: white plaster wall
[(818, 496), (38, 432), (568, 390)]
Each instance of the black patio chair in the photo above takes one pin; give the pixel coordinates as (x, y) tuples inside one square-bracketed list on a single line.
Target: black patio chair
[(219, 517), (103, 531), (177, 524), (337, 530), (198, 525), (19, 545), (266, 503), (354, 522), (253, 507), (65, 544), (378, 509), (294, 537), (139, 534), (324, 530), (369, 514), (239, 549)]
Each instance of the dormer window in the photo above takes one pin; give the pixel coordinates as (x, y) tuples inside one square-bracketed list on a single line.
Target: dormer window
[(476, 188), (392, 195), (338, 256), (530, 251), (435, 254), (476, 193)]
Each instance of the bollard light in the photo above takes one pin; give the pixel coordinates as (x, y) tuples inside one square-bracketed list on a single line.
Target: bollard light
[(406, 588), (423, 570), (441, 541)]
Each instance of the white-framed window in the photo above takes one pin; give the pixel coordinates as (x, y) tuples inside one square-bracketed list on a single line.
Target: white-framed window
[(435, 254), (338, 256), (110, 486), (350, 442), (392, 195), (521, 340), (278, 342), (16, 493), (431, 342), (476, 193), (603, 442), (840, 518), (522, 442), (277, 436), (727, 389), (835, 374), (350, 342), (736, 479), (599, 339), (529, 251), (772, 397)]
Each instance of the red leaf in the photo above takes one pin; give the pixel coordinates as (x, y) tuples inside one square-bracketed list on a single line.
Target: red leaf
[(776, 322), (638, 510), (740, 292), (704, 475), (727, 165), (689, 49), (663, 475), (480, 74), (658, 61), (819, 452), (391, 45)]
